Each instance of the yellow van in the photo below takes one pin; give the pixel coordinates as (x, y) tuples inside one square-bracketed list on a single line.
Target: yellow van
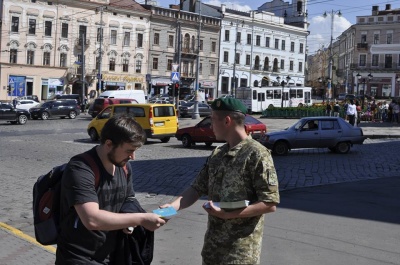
[(159, 121)]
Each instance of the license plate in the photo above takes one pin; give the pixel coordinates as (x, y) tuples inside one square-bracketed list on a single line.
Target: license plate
[(159, 124)]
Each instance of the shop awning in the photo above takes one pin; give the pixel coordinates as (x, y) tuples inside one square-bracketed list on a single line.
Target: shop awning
[(160, 81)]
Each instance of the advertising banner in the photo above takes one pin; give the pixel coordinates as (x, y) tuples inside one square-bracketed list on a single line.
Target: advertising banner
[(17, 86)]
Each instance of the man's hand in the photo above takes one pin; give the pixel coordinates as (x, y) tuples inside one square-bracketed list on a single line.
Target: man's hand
[(213, 210), (152, 221)]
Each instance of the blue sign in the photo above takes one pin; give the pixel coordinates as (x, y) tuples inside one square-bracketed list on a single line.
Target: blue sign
[(175, 77), (17, 85)]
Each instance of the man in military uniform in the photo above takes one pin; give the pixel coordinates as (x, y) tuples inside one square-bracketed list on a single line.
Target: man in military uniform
[(242, 169)]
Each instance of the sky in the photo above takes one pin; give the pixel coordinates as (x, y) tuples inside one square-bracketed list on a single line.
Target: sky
[(320, 27)]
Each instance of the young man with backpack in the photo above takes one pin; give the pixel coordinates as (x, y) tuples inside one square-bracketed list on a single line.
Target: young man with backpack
[(90, 217)]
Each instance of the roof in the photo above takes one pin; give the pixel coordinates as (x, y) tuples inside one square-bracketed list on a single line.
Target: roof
[(128, 4)]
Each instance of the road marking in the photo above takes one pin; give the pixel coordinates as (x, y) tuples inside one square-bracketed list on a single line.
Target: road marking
[(26, 237)]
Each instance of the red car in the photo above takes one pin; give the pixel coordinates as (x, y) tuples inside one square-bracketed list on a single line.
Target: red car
[(202, 131)]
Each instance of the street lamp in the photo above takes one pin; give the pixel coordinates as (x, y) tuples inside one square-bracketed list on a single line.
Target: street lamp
[(363, 98), (339, 14), (358, 83), (321, 80), (237, 40), (283, 86)]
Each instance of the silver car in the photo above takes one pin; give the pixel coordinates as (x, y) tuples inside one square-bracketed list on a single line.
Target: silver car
[(315, 132)]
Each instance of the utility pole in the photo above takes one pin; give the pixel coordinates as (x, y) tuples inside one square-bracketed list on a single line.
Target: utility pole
[(196, 114), (100, 50), (83, 40)]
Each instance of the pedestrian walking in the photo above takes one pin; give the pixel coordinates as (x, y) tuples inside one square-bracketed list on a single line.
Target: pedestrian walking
[(241, 169), (351, 112), (336, 109)]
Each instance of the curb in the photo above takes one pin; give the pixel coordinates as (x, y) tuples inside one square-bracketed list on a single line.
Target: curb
[(25, 237)]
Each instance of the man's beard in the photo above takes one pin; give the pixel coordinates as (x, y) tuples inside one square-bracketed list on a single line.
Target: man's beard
[(111, 157)]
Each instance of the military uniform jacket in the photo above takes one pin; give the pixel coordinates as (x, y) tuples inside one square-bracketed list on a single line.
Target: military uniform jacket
[(245, 172)]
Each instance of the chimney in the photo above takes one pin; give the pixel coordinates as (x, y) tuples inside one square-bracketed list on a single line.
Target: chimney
[(388, 7), (375, 10), (223, 8)]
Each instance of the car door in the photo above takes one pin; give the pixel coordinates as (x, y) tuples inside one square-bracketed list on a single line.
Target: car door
[(306, 137), (330, 133), (203, 131), (7, 112), (56, 108)]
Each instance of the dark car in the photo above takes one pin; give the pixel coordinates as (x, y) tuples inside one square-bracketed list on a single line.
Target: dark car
[(77, 97), (13, 115), (315, 132), (56, 108), (187, 109), (202, 132)]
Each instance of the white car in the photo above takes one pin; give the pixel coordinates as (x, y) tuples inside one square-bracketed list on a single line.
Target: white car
[(26, 104)]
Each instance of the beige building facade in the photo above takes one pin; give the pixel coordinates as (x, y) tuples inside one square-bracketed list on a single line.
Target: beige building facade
[(45, 45)]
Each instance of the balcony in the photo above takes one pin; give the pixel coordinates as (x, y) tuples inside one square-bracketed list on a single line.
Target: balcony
[(185, 74), (376, 67), (78, 43), (362, 46), (189, 53)]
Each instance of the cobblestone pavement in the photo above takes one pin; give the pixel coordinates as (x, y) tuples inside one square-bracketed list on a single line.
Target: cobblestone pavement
[(163, 170)]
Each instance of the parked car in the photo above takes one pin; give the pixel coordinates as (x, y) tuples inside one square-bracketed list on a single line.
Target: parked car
[(56, 108), (13, 115), (32, 97), (187, 109), (333, 133), (202, 131), (77, 97), (26, 104), (159, 121)]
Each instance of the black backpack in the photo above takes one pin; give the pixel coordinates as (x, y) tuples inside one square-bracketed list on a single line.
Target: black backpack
[(46, 201)]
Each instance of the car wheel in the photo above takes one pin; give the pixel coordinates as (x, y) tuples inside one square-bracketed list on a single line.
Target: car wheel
[(208, 144), (45, 115), (22, 119), (94, 136), (343, 147), (281, 148), (186, 140), (72, 115), (165, 139)]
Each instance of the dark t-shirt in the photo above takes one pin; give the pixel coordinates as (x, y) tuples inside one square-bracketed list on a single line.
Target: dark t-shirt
[(76, 244)]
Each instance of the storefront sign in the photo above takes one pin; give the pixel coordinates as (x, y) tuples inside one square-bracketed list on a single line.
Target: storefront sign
[(122, 78), (209, 84)]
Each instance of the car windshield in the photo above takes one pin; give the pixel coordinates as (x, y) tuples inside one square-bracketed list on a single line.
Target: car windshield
[(298, 124), (250, 120)]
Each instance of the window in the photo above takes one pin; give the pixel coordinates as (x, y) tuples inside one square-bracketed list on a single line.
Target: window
[(125, 65), (276, 43), (201, 45), (170, 40), (375, 59), (237, 58), (388, 61), (292, 46), (389, 38), (212, 69), (363, 38), (376, 38), (258, 40), (139, 41), (14, 24), (283, 45), (213, 46), (113, 36), (247, 59), (64, 30), (201, 68), (363, 59), (29, 56), (138, 66), (291, 65), (127, 38), (47, 28), (248, 38), (46, 58), (300, 66), (13, 55), (238, 37), (156, 38), (99, 34), (155, 63), (267, 40), (32, 26), (226, 35), (169, 64), (301, 48), (63, 60), (111, 67), (226, 55), (283, 64)]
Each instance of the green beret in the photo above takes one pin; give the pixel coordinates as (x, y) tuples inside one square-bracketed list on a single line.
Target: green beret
[(229, 104)]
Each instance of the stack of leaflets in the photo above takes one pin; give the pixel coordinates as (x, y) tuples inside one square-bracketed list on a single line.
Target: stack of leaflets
[(230, 205), (165, 213)]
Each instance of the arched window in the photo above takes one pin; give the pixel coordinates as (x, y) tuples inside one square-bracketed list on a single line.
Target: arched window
[(266, 64), (46, 53), (275, 68), (193, 43), (30, 52), (186, 42), (257, 63), (112, 59)]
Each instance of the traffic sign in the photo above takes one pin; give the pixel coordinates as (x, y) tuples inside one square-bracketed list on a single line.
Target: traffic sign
[(175, 67), (175, 76)]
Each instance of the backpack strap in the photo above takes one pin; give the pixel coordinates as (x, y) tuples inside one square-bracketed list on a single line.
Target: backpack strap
[(89, 159)]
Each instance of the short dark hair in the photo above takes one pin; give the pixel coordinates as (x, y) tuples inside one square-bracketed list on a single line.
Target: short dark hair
[(123, 129), (238, 117)]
